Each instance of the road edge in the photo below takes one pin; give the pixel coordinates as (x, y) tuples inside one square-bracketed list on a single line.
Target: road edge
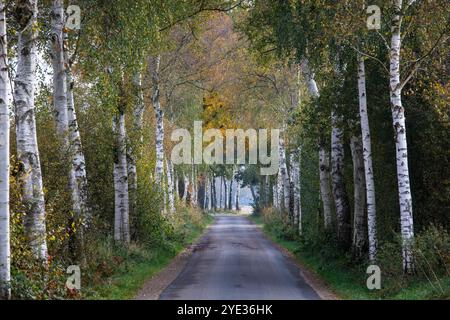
[(153, 287), (311, 277)]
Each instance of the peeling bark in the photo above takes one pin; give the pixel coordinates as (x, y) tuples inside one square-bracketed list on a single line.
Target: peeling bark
[(27, 147)]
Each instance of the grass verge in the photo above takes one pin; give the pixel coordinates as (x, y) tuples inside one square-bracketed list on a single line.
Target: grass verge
[(138, 264), (350, 282)]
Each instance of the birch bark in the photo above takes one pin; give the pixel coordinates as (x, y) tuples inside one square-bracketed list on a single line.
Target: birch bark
[(154, 64), (295, 185), (121, 196), (27, 147), (284, 176), (398, 118), (368, 167), (170, 186), (78, 175), (230, 195), (324, 167), (337, 176), (359, 190), (5, 250)]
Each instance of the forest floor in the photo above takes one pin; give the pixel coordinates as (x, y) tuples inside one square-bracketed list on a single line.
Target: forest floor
[(350, 283)]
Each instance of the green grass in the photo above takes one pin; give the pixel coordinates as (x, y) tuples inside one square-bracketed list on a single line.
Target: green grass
[(139, 265), (350, 282)]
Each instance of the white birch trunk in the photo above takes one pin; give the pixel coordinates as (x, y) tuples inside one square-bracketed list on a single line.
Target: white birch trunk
[(368, 167), (284, 176), (159, 116), (138, 119), (337, 177), (295, 183), (5, 251), (279, 192), (78, 177), (324, 177), (220, 193), (170, 186), (359, 190), (238, 194), (27, 147), (398, 118), (225, 195), (324, 167), (121, 196), (186, 186), (230, 195), (206, 196), (59, 72), (194, 185)]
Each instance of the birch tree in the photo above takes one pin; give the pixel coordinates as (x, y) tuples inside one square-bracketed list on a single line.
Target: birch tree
[(5, 254), (339, 190), (27, 148), (121, 196), (154, 64), (295, 185), (359, 197), (78, 177), (230, 195), (324, 158), (238, 193), (367, 155), (284, 175), (170, 186), (401, 147)]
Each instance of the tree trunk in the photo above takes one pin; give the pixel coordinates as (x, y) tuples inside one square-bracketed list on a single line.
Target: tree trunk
[(238, 193), (79, 176), (230, 195), (194, 196), (121, 196), (279, 190), (59, 72), (206, 205), (220, 193), (27, 147), (138, 113), (214, 193), (324, 177), (186, 186), (295, 185), (284, 176), (225, 195), (5, 251), (368, 168), (154, 64), (359, 211), (324, 167), (170, 186), (339, 191), (398, 117)]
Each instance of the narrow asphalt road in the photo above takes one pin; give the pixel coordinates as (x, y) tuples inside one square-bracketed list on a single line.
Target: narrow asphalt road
[(234, 261)]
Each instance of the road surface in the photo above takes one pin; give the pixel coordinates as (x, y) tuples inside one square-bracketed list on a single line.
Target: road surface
[(234, 261)]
